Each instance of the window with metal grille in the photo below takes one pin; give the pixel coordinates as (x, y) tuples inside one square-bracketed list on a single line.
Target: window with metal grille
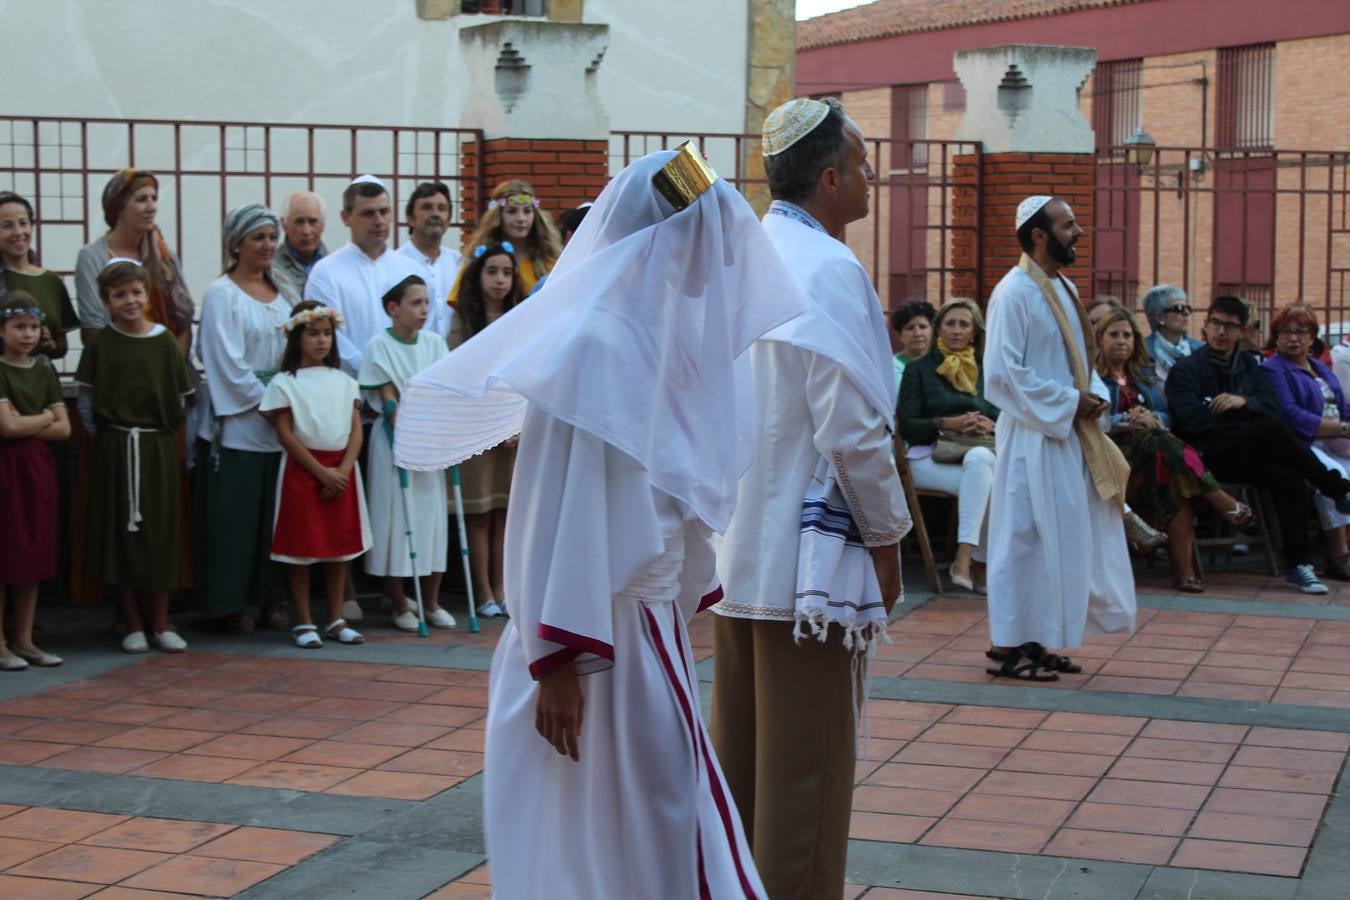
[(909, 125), (1115, 100), (1246, 97)]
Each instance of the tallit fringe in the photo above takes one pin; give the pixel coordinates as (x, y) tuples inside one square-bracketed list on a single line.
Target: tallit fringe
[(858, 639)]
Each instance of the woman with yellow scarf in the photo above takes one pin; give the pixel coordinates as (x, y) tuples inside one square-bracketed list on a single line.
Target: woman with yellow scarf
[(942, 408)]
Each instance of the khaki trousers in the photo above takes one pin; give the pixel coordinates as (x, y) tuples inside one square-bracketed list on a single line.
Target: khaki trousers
[(783, 728)]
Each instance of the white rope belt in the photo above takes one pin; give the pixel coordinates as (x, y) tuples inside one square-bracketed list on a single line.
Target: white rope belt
[(134, 471)]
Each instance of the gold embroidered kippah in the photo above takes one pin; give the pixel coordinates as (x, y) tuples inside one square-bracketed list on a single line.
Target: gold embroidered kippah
[(684, 179), (791, 122)]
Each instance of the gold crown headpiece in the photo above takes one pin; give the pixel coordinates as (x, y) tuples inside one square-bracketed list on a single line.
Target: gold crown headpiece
[(684, 179)]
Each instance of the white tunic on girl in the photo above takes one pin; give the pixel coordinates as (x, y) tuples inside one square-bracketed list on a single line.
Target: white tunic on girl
[(390, 360), (603, 570)]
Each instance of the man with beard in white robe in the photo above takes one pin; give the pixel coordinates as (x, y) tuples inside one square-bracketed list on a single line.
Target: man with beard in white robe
[(1059, 567), (637, 424)]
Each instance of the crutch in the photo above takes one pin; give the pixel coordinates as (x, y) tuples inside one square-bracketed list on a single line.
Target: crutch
[(407, 531), (464, 547)]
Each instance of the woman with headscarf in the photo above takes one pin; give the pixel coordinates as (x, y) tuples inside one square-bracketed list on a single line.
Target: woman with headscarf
[(513, 215), (130, 202), (942, 395), (1169, 315), (635, 424), (238, 455)]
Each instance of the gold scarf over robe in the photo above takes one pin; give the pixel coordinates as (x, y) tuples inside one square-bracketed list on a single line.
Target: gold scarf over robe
[(1106, 464)]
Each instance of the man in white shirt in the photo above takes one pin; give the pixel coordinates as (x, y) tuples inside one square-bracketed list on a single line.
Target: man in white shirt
[(352, 278), (789, 651), (428, 217)]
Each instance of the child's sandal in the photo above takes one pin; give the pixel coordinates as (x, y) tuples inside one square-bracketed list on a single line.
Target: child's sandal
[(306, 637), (343, 633)]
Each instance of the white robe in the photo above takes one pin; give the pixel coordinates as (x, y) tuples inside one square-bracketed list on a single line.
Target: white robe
[(1059, 566), (238, 339), (352, 283), (387, 360), (605, 570), (439, 274)]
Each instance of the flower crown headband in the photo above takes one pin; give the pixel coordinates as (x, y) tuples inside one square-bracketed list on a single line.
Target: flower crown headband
[(483, 248), (16, 312), (521, 199), (313, 315)]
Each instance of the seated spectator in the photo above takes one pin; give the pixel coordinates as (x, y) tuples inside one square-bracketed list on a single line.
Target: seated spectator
[(913, 325), (130, 203), (302, 220), (1312, 404), (1166, 475), (943, 395), (1169, 315), (1100, 307), (514, 216), (21, 271), (1221, 403)]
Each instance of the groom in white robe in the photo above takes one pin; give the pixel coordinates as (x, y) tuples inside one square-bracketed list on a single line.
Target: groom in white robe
[(1059, 567)]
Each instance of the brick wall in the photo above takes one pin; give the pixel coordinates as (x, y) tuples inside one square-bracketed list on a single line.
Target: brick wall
[(564, 173)]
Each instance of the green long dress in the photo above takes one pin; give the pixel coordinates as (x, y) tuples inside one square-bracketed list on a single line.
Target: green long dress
[(137, 382)]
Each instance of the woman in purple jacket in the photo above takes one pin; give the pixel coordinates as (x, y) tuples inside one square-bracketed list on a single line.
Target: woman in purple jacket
[(1312, 404)]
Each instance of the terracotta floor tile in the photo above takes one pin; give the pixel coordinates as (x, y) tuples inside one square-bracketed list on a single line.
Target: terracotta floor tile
[(1093, 724), (152, 737), (1052, 763), (424, 675), (121, 893), (436, 762), (1306, 663), (869, 826), (1177, 642), (210, 720), (195, 768), (1150, 793), (1162, 686), (1028, 784), (1159, 654), (908, 709), (1015, 810), (59, 825), (352, 710), (1171, 770), (9, 809), (11, 724), (1258, 829), (108, 760), (25, 753), (1131, 848), (1187, 751), (40, 707), (972, 674), (457, 716), (158, 835), (344, 753), (249, 746), (1000, 836), (293, 776), (1248, 661), (255, 701), (461, 891), (1214, 690), (874, 749), (472, 740), (99, 865), (16, 850), (942, 778), (896, 729), (1269, 803), (1286, 758), (1131, 819), (1296, 781), (1073, 742), (391, 690), (190, 697), (927, 753), (1260, 859), (459, 696), (906, 801), (1236, 675), (270, 845), (1317, 681), (69, 731), (1138, 669), (1194, 731), (392, 734), (126, 713), (203, 875), (990, 715), (13, 888), (297, 727), (394, 785), (975, 735), (479, 875), (1298, 740)]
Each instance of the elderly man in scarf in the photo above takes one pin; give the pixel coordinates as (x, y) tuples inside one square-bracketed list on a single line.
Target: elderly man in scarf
[(130, 203)]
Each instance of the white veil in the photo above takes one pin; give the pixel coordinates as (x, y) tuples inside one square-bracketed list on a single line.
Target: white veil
[(634, 338)]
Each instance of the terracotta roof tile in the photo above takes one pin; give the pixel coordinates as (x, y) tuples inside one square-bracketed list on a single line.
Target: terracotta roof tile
[(885, 18)]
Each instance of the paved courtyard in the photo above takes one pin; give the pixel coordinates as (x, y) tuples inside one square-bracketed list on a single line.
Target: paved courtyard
[(1199, 758)]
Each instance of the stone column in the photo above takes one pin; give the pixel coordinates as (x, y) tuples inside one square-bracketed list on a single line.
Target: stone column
[(532, 89), (770, 66), (1022, 107)]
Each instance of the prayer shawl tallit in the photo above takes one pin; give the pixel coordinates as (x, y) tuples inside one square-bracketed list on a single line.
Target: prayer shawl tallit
[(1106, 464)]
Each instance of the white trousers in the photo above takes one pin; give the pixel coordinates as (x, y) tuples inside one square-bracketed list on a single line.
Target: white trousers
[(1326, 506), (971, 481)]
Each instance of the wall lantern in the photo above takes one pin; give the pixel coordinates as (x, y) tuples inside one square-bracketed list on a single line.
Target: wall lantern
[(1139, 148)]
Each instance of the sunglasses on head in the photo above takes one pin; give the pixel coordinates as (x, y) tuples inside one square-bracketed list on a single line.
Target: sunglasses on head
[(1179, 308)]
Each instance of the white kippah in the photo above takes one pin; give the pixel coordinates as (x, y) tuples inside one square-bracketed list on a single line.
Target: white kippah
[(367, 179), (791, 122), (1030, 206)]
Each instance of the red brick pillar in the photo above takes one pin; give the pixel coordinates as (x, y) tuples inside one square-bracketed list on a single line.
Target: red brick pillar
[(564, 173)]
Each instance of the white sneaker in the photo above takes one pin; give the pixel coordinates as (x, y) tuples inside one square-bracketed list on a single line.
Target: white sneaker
[(489, 610), (406, 621), (135, 643), (351, 611), (169, 642), (439, 618)]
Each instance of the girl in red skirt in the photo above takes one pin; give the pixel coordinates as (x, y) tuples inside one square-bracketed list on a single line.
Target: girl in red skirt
[(321, 506), (31, 414)]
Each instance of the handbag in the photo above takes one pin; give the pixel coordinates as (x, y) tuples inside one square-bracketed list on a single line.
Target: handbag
[(952, 447)]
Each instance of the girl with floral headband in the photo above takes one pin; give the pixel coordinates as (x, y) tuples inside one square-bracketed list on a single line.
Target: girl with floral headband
[(32, 415), (513, 214), (321, 507), (489, 287)]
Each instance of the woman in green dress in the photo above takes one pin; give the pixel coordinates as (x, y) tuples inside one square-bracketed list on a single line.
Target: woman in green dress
[(22, 273)]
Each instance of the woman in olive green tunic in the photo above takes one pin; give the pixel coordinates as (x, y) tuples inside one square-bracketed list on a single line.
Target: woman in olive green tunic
[(22, 273), (134, 380)]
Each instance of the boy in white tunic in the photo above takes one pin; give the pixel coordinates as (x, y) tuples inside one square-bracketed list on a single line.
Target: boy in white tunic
[(1059, 567), (636, 426), (390, 359)]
